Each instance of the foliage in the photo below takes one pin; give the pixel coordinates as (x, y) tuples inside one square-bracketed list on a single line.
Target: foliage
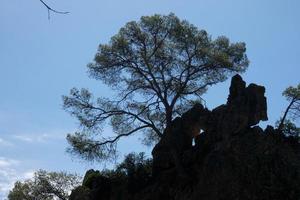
[(80, 193), (134, 173), (292, 94), (22, 191), (158, 67), (138, 171), (89, 177), (286, 126), (289, 129), (45, 186)]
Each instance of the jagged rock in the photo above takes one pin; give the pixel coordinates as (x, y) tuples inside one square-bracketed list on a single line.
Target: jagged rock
[(245, 107), (248, 101), (94, 185), (232, 159), (81, 193), (178, 140)]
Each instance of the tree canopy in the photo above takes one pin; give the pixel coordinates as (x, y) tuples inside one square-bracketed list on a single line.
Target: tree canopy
[(292, 94), (292, 112), (45, 186), (158, 66)]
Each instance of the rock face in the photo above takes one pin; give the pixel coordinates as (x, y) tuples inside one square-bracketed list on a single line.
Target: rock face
[(245, 107), (232, 157), (171, 146)]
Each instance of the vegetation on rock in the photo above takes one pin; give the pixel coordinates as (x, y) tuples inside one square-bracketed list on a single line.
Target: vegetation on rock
[(232, 159), (45, 186), (286, 124), (129, 178), (158, 66)]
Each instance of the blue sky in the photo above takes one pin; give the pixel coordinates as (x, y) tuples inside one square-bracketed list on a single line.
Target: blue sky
[(41, 60)]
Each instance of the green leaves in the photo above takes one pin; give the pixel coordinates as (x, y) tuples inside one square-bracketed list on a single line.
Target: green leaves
[(290, 129), (156, 66), (286, 126), (45, 186), (292, 93)]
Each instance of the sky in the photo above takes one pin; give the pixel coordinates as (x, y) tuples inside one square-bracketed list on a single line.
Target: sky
[(42, 59)]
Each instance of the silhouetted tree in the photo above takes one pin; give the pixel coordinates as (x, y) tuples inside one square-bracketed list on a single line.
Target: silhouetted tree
[(158, 66), (134, 173), (45, 186), (289, 128), (138, 170), (286, 124), (292, 94)]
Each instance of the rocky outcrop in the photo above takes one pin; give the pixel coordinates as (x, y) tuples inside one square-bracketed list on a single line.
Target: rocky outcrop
[(245, 107), (232, 157), (178, 140)]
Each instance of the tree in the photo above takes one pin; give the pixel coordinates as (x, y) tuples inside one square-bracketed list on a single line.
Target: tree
[(289, 128), (157, 66), (286, 126), (138, 171), (134, 173), (45, 186)]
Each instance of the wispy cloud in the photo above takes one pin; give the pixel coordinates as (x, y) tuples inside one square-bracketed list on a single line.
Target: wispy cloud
[(5, 143), (41, 137), (18, 126), (25, 138), (9, 175), (5, 162)]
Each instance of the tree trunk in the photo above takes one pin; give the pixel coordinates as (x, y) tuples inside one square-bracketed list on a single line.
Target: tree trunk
[(284, 116)]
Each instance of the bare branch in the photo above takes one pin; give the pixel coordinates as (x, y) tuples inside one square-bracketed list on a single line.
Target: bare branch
[(52, 10), (280, 127), (121, 135)]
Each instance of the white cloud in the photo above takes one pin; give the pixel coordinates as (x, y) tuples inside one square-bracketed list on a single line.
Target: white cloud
[(41, 137), (24, 138), (4, 142), (9, 175), (5, 162), (28, 174)]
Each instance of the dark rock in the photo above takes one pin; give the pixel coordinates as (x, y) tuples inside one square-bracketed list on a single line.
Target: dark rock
[(232, 158), (80, 193), (245, 107), (178, 139), (98, 184)]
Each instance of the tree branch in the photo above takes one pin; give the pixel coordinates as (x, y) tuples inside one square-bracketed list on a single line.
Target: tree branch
[(52, 10), (121, 135), (284, 116)]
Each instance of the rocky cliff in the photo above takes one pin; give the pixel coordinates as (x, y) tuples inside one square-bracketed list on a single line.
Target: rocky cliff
[(231, 157)]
